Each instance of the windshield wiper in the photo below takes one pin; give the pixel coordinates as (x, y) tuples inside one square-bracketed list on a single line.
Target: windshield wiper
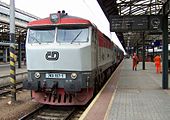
[(35, 39), (76, 37)]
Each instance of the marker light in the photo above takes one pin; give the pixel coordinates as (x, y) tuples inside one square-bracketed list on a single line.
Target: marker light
[(74, 76), (37, 75)]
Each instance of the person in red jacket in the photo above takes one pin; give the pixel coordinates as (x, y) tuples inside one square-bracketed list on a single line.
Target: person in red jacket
[(135, 61), (157, 60)]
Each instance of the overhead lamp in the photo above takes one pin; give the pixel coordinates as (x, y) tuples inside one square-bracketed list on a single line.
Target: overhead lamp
[(54, 17)]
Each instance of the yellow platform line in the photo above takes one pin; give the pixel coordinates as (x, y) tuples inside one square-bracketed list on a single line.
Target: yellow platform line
[(110, 104)]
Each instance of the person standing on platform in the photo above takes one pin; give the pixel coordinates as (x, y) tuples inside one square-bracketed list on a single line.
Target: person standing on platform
[(157, 60), (135, 61)]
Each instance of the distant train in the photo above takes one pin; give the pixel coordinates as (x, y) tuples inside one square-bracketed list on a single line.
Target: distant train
[(68, 59)]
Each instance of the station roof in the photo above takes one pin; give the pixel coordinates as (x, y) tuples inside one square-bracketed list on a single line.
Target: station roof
[(19, 14), (21, 20), (133, 7)]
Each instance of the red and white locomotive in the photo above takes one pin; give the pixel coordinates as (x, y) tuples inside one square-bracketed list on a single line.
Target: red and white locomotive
[(68, 59)]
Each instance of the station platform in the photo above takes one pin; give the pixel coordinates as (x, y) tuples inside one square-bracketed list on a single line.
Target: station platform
[(5, 69), (131, 95)]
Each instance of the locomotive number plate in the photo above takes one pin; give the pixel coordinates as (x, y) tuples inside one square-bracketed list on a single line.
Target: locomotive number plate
[(55, 75)]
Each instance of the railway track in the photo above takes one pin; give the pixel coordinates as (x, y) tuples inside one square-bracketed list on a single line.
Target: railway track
[(5, 87), (7, 76), (54, 113)]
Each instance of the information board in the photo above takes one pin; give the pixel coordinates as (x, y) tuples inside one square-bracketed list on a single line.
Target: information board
[(135, 23)]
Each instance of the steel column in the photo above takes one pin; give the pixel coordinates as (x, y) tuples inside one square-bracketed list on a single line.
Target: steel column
[(165, 50), (137, 48), (19, 52), (153, 52), (143, 51), (5, 55), (12, 51)]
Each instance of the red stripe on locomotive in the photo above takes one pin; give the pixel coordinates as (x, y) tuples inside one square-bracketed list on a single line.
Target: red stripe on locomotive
[(47, 21), (104, 41)]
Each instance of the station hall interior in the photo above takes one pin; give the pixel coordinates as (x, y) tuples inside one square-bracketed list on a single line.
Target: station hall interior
[(144, 28), (120, 93)]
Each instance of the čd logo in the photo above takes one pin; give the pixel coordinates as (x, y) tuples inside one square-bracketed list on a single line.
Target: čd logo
[(52, 55)]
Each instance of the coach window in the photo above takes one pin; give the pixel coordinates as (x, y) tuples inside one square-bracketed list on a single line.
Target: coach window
[(72, 35)]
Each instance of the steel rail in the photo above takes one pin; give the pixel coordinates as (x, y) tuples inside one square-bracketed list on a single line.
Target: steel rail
[(46, 113), (5, 76), (29, 115), (4, 89)]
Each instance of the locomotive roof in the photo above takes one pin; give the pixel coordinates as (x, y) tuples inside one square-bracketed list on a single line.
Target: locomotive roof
[(64, 20)]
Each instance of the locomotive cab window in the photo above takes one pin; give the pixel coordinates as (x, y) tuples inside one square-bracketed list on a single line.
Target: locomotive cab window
[(41, 35), (72, 35)]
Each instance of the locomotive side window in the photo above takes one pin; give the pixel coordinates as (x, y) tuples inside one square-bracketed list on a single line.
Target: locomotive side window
[(46, 35), (71, 35)]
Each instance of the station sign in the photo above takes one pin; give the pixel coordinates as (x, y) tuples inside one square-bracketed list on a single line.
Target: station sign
[(135, 23)]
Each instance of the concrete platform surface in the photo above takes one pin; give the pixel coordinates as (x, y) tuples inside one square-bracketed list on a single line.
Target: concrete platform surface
[(139, 95)]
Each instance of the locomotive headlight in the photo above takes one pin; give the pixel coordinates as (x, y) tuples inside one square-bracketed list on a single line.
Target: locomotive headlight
[(37, 75), (73, 75)]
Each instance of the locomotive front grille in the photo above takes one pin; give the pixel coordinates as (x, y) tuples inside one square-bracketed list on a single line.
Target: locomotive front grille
[(49, 81)]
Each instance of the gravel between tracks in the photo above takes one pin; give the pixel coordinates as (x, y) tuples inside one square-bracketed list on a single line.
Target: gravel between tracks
[(18, 109)]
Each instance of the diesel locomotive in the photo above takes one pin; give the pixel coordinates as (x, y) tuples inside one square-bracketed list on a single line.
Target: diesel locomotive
[(68, 59)]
